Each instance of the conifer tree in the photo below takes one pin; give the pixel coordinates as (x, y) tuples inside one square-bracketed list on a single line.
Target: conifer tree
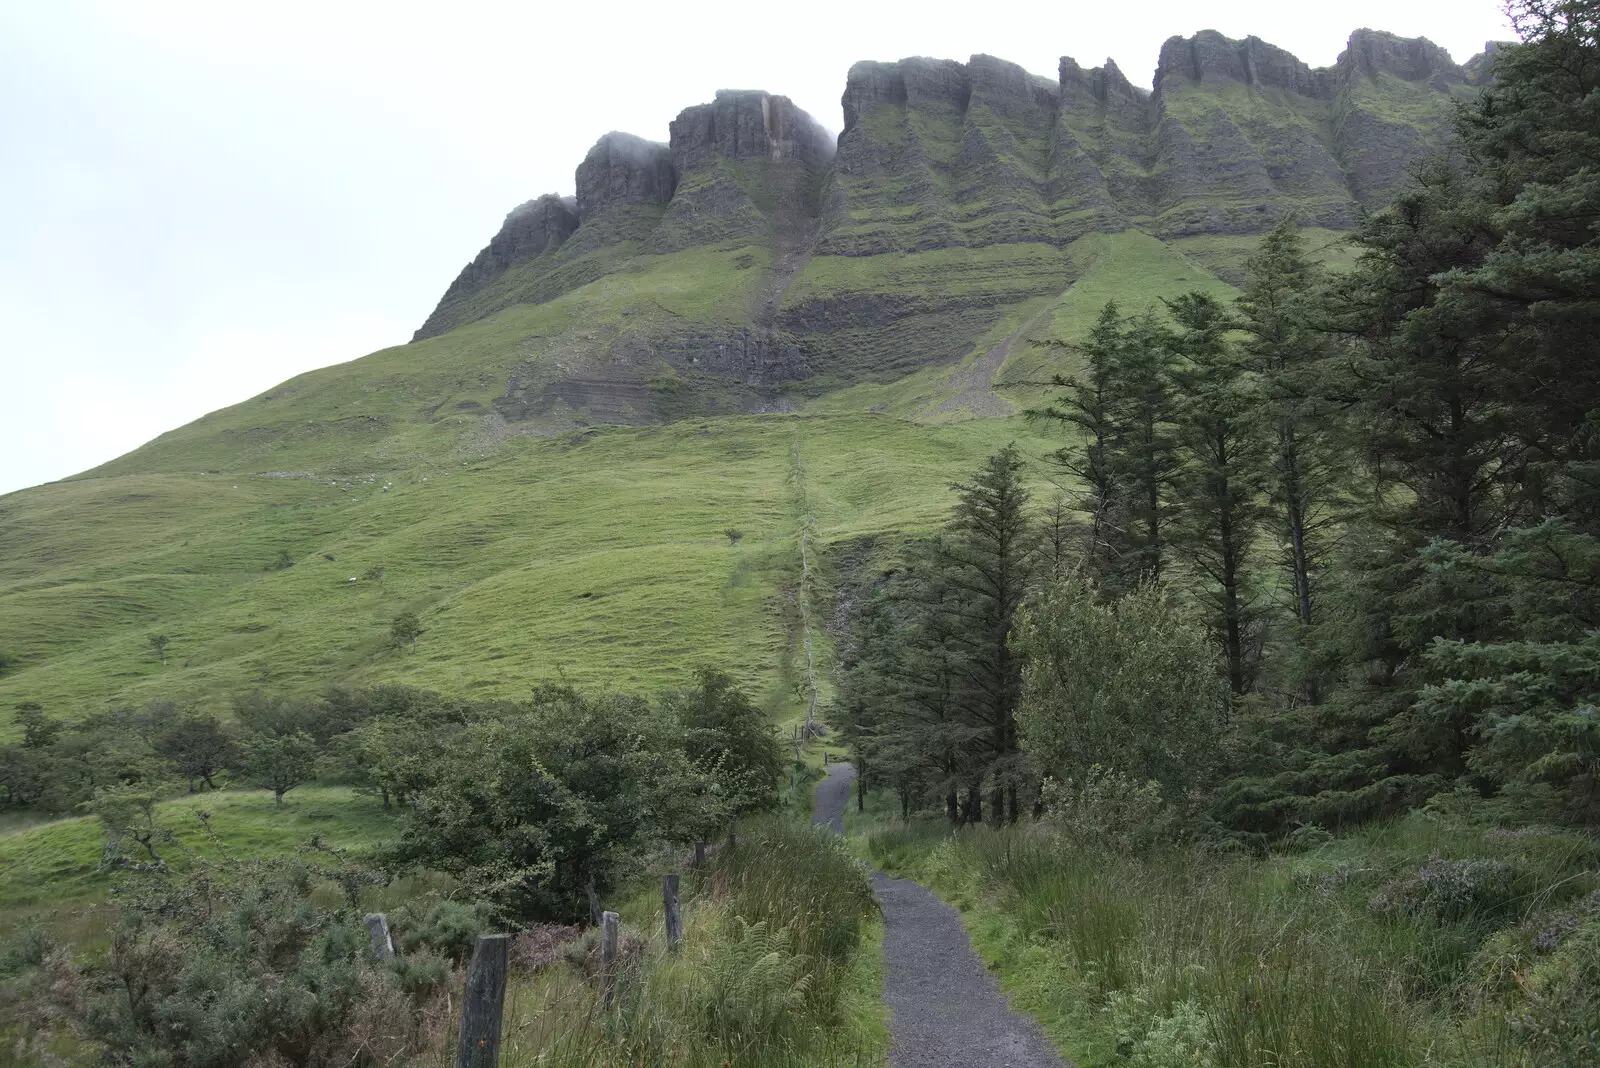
[(987, 560), (1219, 426), (1147, 459), (1289, 354), (1092, 405)]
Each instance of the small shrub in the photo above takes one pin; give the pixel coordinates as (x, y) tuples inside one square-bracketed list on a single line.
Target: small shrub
[(541, 945), (1107, 810), (1559, 1018), (27, 948), (751, 984), (404, 630), (1449, 889), (449, 928)]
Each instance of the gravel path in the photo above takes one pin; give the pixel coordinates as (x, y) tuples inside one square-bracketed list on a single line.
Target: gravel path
[(945, 1009)]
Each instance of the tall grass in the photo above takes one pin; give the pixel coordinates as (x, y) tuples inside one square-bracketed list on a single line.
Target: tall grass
[(1375, 950), (778, 968)]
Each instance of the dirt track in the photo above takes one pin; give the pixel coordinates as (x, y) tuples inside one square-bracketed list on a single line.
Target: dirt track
[(945, 1009)]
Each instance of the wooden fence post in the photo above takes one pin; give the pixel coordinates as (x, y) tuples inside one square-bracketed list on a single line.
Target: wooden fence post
[(483, 1004), (669, 906), (609, 922), (378, 934)]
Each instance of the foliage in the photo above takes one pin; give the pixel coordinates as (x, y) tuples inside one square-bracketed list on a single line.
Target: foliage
[(38, 730), (1216, 494), (931, 685), (731, 744), (280, 762), (127, 819), (537, 810), (751, 984), (1129, 685), (226, 969), (405, 629), (1107, 810), (198, 747), (448, 928)]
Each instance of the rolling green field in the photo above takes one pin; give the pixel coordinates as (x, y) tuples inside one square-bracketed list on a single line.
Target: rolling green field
[(594, 554), (54, 864)]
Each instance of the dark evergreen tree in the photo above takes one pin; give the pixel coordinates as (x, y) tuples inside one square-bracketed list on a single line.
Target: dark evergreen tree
[(1290, 355), (1092, 405), (986, 562), (1219, 422), (1147, 459)]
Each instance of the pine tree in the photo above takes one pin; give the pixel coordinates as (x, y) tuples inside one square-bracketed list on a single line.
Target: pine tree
[(987, 560), (1091, 404), (1219, 425), (1534, 137), (1289, 354), (1147, 459)]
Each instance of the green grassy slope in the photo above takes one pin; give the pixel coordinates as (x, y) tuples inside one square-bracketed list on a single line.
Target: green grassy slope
[(55, 864), (597, 553)]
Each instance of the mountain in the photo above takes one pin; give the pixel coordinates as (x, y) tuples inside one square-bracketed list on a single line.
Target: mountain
[(753, 326)]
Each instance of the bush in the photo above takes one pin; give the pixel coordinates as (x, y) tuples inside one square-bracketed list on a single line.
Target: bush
[(449, 928), (1560, 1017), (26, 948), (1107, 810), (247, 969), (1450, 889), (1131, 685)]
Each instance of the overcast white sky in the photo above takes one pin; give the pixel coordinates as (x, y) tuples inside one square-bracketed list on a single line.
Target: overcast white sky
[(199, 200)]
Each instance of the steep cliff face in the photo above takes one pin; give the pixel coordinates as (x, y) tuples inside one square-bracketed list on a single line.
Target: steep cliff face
[(748, 165), (1388, 94), (954, 195), (531, 232)]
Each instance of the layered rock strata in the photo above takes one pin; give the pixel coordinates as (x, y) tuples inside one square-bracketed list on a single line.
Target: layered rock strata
[(938, 156)]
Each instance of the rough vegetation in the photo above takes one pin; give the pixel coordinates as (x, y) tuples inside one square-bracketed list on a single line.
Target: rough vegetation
[(1243, 692)]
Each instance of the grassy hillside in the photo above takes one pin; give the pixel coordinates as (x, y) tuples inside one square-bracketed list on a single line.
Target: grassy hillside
[(54, 864), (594, 553)]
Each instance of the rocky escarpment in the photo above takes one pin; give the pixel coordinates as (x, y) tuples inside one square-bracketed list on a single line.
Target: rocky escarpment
[(748, 166), (745, 168), (827, 260), (1233, 135), (530, 231)]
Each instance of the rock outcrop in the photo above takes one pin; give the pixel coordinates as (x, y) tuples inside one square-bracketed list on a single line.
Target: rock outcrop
[(748, 167), (622, 170), (936, 156), (531, 230)]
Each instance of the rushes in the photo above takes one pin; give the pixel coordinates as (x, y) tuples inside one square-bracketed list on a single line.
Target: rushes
[(1383, 949), (776, 969)]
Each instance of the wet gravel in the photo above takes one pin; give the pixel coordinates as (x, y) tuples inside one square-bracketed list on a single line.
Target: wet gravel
[(945, 1009)]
